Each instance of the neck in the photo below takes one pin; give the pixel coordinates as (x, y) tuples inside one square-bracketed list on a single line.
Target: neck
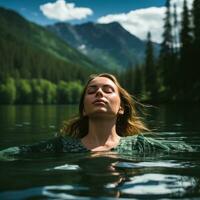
[(102, 134)]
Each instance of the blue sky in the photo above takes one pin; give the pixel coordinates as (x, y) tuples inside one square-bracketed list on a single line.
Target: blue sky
[(31, 9), (136, 16)]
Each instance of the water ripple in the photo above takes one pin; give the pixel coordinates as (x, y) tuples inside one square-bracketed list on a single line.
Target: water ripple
[(64, 167), (171, 164), (157, 184), (51, 192)]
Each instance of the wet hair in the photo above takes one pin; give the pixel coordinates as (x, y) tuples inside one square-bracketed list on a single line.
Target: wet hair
[(128, 123)]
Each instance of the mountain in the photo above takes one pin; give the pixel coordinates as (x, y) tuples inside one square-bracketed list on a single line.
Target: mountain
[(28, 50), (109, 45)]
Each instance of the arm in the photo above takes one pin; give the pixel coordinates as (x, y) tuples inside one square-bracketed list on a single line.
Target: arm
[(142, 144), (148, 144), (47, 146)]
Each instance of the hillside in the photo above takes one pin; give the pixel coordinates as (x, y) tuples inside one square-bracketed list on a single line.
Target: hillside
[(108, 44), (30, 51)]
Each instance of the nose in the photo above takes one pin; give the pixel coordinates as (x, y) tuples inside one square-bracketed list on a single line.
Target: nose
[(99, 93)]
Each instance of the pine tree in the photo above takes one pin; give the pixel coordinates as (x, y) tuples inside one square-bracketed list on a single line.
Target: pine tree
[(196, 46), (175, 31), (175, 56), (128, 78), (186, 53), (167, 45), (150, 78), (196, 21), (138, 81), (166, 58)]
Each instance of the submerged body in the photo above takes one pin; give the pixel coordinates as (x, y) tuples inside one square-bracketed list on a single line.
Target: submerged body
[(127, 145), (107, 121)]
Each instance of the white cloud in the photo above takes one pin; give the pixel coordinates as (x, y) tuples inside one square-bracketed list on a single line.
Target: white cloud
[(139, 22), (62, 11)]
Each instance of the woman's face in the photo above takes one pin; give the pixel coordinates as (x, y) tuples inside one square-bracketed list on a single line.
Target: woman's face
[(102, 98)]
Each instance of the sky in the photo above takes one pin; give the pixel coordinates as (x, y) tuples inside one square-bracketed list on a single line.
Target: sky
[(136, 16)]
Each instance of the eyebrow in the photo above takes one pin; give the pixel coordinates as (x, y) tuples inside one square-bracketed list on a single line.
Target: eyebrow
[(93, 86)]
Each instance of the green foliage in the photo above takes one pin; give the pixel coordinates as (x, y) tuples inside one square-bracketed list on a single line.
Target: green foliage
[(48, 71), (24, 92), (75, 89), (132, 80), (8, 91), (138, 81), (150, 74), (196, 21), (109, 45), (49, 92), (166, 61), (196, 46), (186, 55), (29, 51), (68, 93), (63, 95), (175, 75), (39, 91)]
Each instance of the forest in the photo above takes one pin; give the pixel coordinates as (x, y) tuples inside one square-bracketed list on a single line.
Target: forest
[(172, 76)]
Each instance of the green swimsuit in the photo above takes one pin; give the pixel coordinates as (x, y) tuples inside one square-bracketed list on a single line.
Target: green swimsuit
[(129, 144)]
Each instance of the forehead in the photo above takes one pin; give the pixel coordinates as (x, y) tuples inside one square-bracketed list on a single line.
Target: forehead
[(100, 81)]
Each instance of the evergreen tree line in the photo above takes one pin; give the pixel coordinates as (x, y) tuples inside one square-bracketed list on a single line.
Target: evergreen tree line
[(39, 91), (19, 59), (173, 75)]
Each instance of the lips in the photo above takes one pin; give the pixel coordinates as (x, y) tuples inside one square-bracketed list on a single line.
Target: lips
[(99, 101)]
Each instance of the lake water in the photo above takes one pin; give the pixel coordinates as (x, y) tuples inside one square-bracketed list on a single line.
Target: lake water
[(98, 175)]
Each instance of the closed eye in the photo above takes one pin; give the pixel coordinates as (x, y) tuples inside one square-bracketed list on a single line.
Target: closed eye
[(107, 89), (91, 90)]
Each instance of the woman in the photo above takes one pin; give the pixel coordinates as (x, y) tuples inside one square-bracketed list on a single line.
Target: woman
[(107, 121), (106, 113)]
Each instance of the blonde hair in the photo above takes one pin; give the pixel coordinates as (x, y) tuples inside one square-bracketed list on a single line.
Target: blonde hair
[(127, 124)]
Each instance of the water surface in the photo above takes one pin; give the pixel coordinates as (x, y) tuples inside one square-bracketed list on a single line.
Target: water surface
[(99, 175)]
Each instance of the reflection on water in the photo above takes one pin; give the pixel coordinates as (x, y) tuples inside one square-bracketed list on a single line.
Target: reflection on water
[(105, 175), (64, 167), (158, 184), (102, 175), (27, 124), (142, 185), (54, 191), (169, 164)]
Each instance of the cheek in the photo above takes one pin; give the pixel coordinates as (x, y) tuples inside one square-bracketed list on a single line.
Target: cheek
[(115, 101)]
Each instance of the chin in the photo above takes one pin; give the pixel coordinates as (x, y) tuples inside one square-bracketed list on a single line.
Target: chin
[(101, 114)]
